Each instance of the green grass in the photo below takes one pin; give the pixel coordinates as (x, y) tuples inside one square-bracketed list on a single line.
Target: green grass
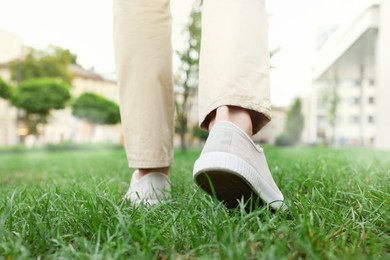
[(67, 204)]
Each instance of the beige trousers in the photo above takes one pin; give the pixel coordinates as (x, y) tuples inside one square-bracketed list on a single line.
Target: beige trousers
[(233, 70)]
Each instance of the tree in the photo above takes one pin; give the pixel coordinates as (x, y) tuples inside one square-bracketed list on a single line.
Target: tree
[(37, 98), (96, 109), (295, 121), (188, 78), (294, 125), (200, 133), (6, 91), (52, 62), (330, 100), (272, 53)]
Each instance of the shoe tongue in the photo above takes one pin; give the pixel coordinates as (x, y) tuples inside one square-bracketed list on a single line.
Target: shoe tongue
[(228, 123), (237, 128), (151, 175)]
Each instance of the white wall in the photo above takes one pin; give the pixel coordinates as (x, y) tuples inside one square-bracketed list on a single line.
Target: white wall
[(382, 140), (11, 46)]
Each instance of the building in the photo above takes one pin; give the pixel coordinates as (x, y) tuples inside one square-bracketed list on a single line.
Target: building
[(62, 125), (11, 46), (351, 82)]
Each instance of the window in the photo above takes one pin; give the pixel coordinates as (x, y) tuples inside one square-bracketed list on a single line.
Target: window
[(355, 119), (371, 100), (356, 101), (371, 82), (321, 118), (358, 83)]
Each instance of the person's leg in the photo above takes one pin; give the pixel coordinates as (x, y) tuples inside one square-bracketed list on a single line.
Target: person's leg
[(242, 117), (142, 36), (234, 102), (234, 62)]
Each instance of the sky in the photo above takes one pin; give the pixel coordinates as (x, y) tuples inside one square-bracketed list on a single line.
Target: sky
[(85, 27)]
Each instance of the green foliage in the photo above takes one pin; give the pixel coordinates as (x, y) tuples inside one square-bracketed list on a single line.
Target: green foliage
[(52, 62), (68, 205), (190, 55), (200, 133), (330, 100), (284, 140), (294, 123), (6, 91), (294, 126), (96, 109), (38, 97), (187, 79)]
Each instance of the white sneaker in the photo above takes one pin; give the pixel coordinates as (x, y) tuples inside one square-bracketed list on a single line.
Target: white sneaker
[(151, 189), (236, 168)]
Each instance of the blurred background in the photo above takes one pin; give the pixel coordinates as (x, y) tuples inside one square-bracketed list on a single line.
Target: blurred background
[(330, 73)]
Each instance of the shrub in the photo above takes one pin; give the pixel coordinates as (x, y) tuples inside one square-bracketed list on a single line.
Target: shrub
[(6, 90), (96, 109), (284, 140)]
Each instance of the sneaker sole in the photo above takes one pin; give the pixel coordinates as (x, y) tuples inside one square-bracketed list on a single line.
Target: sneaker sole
[(231, 179)]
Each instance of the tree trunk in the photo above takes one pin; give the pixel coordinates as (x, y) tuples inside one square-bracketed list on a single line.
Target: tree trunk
[(183, 146), (182, 133)]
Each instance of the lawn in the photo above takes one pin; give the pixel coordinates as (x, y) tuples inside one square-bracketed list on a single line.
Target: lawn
[(67, 204)]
